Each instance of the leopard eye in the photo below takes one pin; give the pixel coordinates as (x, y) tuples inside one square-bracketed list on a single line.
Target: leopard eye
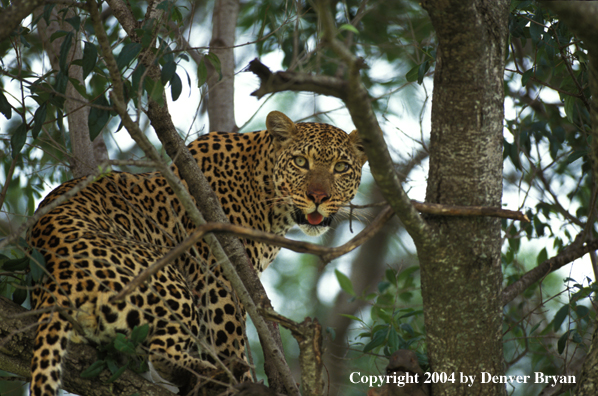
[(341, 167), (301, 162)]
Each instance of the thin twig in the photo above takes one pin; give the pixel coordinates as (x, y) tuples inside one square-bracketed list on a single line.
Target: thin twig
[(326, 254)]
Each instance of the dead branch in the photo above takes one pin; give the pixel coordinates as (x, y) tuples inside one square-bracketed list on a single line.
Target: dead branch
[(309, 337), (294, 81)]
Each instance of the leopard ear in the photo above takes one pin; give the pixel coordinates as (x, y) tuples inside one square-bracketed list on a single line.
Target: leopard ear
[(280, 127), (358, 145)]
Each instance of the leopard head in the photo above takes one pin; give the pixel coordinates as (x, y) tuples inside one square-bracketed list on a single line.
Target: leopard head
[(317, 169)]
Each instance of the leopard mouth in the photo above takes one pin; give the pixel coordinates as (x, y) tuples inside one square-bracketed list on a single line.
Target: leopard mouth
[(313, 219)]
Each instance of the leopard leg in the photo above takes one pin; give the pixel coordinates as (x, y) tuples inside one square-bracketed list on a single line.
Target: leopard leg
[(171, 357)]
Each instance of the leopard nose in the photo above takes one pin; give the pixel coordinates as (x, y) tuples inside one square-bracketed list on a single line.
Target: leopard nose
[(318, 196)]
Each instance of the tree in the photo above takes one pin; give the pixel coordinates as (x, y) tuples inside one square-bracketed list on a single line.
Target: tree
[(483, 277)]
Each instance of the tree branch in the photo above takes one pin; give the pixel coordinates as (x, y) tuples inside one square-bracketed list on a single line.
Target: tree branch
[(17, 336), (571, 253), (452, 210), (228, 250), (327, 254), (309, 337), (358, 102), (12, 17), (295, 81)]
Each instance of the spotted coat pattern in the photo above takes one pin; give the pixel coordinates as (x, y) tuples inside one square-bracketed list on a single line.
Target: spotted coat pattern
[(99, 240)]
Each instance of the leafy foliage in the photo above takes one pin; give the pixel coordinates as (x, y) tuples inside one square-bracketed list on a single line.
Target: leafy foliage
[(111, 355)]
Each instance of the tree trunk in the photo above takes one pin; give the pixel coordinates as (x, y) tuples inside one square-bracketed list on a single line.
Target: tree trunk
[(460, 263), (86, 155), (221, 103)]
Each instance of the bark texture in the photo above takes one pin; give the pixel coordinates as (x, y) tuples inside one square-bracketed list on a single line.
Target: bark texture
[(460, 262), (221, 103)]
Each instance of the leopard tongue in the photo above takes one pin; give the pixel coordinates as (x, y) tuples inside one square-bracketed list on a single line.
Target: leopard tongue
[(314, 218)]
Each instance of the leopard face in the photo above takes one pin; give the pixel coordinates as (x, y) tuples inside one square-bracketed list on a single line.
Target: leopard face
[(95, 243), (317, 169)]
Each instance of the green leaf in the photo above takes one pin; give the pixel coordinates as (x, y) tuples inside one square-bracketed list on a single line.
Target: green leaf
[(344, 282), (563, 341), (38, 120), (393, 340), (542, 256), (18, 139), (94, 370), (75, 22), (139, 334), (20, 295), (5, 107), (127, 54), (37, 265), (391, 276), (382, 286), (164, 6), (570, 109), (168, 72), (406, 327), (154, 90), (202, 73), (348, 27), (137, 74), (58, 34), (64, 51), (19, 264), (123, 345), (378, 340), (111, 363), (177, 15), (560, 316), (98, 118), (77, 85), (535, 327), (351, 317), (536, 27), (412, 313), (118, 373), (90, 58), (213, 59), (60, 85), (412, 74), (582, 311), (176, 87), (526, 76), (421, 72), (574, 156), (48, 12)]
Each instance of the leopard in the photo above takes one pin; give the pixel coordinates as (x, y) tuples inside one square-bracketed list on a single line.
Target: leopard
[(99, 240)]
